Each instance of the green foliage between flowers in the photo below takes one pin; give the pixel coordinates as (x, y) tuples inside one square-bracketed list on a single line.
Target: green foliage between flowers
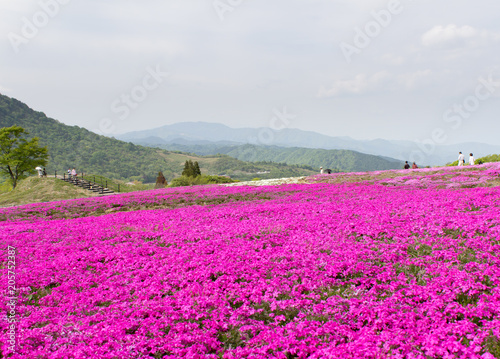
[(199, 180)]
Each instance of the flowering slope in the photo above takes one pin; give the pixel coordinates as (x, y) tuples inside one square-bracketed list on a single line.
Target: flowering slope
[(486, 175), (163, 198), (353, 270)]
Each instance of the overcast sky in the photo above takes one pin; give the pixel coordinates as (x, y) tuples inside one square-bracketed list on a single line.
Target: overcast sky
[(408, 69)]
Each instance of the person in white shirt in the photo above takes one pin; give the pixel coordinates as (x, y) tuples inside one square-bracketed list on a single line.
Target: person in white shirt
[(461, 159), (321, 170), (471, 159)]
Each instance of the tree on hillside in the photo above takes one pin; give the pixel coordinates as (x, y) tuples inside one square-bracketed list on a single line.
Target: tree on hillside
[(160, 181), (196, 169), (187, 171), (191, 169), (19, 156)]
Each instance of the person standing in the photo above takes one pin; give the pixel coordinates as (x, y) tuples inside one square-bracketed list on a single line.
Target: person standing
[(406, 166), (321, 170), (73, 173), (461, 159), (471, 159)]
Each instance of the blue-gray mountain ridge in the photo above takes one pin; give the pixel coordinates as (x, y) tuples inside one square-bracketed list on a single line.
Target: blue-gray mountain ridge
[(206, 138)]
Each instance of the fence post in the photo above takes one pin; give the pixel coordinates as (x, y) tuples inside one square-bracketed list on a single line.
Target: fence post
[(118, 187), (106, 183)]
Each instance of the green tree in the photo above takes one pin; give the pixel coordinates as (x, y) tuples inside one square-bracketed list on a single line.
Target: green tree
[(196, 169), (191, 169), (19, 156), (188, 169)]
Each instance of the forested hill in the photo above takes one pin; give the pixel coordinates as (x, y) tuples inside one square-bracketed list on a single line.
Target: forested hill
[(343, 160), (72, 146)]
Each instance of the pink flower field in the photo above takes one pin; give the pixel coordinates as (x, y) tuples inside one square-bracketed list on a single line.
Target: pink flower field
[(404, 266)]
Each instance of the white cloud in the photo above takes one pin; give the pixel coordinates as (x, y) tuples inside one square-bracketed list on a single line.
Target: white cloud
[(360, 84), (380, 81), (453, 35)]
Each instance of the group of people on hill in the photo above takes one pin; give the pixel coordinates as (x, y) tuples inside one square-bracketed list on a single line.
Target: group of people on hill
[(407, 166), (461, 159), (461, 162), (72, 174), (41, 172)]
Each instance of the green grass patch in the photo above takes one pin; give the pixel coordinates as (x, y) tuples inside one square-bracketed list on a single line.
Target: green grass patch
[(34, 190)]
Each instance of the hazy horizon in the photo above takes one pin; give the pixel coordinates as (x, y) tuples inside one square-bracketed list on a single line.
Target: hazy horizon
[(290, 128)]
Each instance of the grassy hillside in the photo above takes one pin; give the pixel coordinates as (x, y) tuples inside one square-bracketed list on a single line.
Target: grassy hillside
[(485, 159), (341, 160), (34, 189), (72, 146)]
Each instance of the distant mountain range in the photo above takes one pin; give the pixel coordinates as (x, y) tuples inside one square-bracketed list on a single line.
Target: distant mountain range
[(247, 144), (75, 147), (215, 136), (72, 146)]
